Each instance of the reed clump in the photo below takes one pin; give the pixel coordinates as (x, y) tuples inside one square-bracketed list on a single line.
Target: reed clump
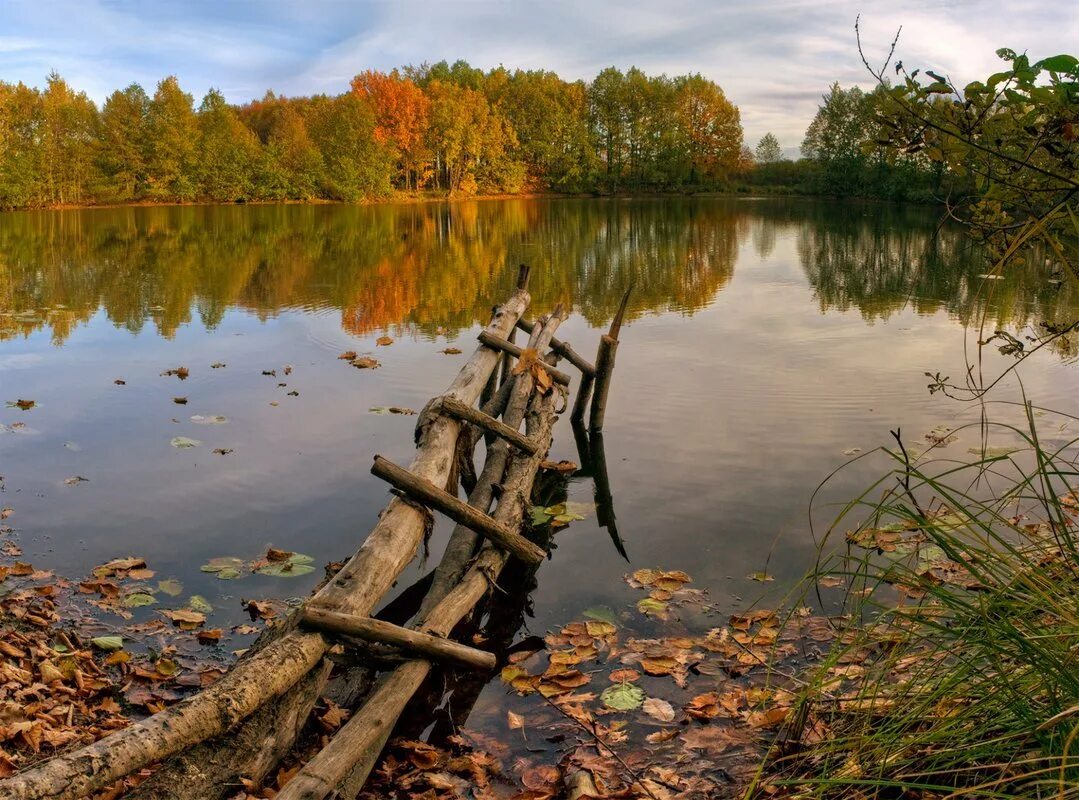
[(955, 667)]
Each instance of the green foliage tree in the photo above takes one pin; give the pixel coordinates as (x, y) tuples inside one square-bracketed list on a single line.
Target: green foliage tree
[(228, 151), (355, 165), (20, 154), (172, 132), (768, 150), (121, 144)]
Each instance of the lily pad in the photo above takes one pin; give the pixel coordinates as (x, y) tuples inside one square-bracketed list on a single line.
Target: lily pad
[(199, 603), (225, 567), (183, 442), (623, 697), (139, 599), (292, 567)]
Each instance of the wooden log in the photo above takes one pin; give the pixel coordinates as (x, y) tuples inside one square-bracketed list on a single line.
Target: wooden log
[(356, 589), (430, 495), (506, 346), (214, 768), (395, 539), (374, 630), (584, 392), (347, 760), (463, 541), (213, 711), (563, 349), (608, 346), (474, 416)]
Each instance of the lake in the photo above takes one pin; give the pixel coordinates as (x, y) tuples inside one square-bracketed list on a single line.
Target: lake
[(766, 342)]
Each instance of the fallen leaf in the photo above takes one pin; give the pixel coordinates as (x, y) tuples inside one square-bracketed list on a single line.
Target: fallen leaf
[(183, 442), (383, 341), (623, 697), (658, 709)]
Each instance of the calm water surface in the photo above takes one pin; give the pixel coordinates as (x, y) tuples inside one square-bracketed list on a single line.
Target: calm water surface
[(766, 338)]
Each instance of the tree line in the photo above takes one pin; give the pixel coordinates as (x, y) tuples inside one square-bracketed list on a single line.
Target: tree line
[(453, 128)]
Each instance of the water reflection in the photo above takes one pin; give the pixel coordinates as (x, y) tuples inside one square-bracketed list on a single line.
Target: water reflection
[(435, 267)]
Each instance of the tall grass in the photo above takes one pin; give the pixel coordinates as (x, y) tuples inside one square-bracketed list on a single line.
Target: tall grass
[(955, 671)]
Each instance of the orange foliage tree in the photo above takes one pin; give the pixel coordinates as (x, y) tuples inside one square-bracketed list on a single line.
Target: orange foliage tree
[(401, 111)]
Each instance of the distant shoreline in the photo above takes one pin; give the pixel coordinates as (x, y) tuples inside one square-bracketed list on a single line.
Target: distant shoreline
[(414, 199)]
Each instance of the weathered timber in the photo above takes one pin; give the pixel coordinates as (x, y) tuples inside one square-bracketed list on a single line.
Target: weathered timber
[(608, 347), (563, 349), (463, 541), (246, 687), (347, 759), (374, 630), (430, 495), (460, 411), (356, 589), (506, 346), (215, 767)]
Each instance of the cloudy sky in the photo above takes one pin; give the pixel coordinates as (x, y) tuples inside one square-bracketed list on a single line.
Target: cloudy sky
[(773, 57)]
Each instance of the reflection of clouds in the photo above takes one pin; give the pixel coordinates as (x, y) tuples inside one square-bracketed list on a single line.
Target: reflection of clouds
[(19, 360)]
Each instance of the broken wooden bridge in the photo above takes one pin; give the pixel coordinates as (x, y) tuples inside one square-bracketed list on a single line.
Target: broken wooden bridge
[(237, 731)]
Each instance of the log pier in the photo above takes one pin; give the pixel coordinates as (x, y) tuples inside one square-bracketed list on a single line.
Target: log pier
[(241, 727)]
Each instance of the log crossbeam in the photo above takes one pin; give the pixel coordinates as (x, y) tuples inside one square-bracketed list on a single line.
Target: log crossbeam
[(455, 408), (498, 343), (430, 495), (416, 642), (563, 349)]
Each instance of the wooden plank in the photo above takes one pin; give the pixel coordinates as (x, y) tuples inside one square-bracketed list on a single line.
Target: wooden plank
[(498, 343), (457, 409), (457, 510), (375, 630)]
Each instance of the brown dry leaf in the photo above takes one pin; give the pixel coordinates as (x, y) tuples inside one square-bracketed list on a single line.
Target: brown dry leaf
[(451, 351), (516, 721), (185, 618), (658, 709), (624, 676), (179, 372), (365, 362), (383, 341), (348, 355), (559, 466), (704, 706), (209, 636), (663, 665), (767, 719)]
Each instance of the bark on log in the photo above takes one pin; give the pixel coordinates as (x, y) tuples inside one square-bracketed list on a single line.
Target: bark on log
[(608, 346), (430, 495), (214, 768), (421, 644), (463, 542), (473, 416), (347, 759), (355, 589)]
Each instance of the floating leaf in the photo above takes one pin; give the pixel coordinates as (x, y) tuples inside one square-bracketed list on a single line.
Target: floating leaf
[(294, 565), (139, 599), (383, 341), (184, 442), (451, 351), (392, 410), (348, 355), (171, 587), (75, 480), (24, 405), (365, 362), (108, 642), (185, 618), (225, 567), (623, 697), (603, 613), (222, 451), (199, 603), (761, 577), (658, 709), (652, 607), (213, 419)]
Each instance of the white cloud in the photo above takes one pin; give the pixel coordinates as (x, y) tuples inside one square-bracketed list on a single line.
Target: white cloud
[(774, 58)]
